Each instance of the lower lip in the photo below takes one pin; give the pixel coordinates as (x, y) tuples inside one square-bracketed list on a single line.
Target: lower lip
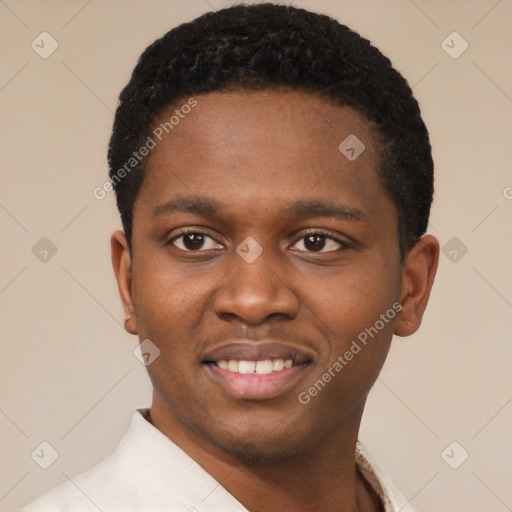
[(253, 386)]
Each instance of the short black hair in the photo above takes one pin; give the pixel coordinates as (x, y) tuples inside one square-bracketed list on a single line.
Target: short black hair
[(265, 46)]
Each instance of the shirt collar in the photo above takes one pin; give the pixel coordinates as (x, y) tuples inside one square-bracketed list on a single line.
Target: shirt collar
[(157, 459), (380, 482)]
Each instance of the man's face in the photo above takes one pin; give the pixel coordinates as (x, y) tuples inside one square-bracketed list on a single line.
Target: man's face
[(250, 172)]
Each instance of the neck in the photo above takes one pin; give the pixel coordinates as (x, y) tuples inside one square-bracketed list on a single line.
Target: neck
[(322, 476)]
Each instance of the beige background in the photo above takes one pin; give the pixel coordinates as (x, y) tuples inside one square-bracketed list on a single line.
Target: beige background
[(68, 373)]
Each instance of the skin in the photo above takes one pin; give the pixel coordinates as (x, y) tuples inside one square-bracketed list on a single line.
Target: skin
[(256, 154)]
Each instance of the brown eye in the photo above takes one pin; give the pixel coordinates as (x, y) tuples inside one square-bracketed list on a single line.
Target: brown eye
[(317, 242), (314, 242), (194, 241)]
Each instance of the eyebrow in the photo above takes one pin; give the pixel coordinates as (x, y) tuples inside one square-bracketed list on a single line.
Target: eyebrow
[(209, 207), (321, 208), (190, 204)]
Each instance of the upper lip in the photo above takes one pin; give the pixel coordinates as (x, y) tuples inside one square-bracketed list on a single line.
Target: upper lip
[(257, 351)]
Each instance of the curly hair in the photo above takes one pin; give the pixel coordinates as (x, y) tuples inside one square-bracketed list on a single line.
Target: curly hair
[(262, 46)]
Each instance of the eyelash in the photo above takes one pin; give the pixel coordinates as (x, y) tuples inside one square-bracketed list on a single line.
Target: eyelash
[(343, 244)]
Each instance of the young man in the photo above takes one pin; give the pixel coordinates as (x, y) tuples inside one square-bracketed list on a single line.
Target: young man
[(274, 179)]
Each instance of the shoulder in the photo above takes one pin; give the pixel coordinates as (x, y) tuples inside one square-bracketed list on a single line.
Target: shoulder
[(148, 471), (108, 486), (96, 489)]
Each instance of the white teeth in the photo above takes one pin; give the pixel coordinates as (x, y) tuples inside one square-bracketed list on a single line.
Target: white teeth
[(246, 367), (262, 367), (278, 364)]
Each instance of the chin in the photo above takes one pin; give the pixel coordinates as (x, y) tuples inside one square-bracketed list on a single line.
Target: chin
[(256, 441)]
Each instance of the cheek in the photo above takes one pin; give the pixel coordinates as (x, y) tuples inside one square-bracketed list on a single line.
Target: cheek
[(359, 316), (168, 305), (358, 304), (166, 298)]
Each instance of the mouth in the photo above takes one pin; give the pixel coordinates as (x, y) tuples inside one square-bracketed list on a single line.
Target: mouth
[(256, 371), (262, 367)]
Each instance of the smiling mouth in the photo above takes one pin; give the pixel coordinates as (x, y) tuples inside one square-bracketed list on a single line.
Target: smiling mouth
[(261, 367), (257, 371), (256, 380)]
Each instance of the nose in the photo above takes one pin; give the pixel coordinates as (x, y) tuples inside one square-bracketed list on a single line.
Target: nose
[(254, 292)]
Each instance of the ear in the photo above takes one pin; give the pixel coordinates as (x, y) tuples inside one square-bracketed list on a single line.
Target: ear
[(418, 276), (121, 261)]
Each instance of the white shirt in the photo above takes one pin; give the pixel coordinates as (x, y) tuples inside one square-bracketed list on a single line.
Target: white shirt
[(149, 473)]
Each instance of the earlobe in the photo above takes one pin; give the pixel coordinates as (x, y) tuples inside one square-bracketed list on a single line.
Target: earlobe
[(121, 262), (418, 276)]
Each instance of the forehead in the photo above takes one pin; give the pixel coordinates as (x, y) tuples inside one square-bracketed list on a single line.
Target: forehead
[(245, 148)]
